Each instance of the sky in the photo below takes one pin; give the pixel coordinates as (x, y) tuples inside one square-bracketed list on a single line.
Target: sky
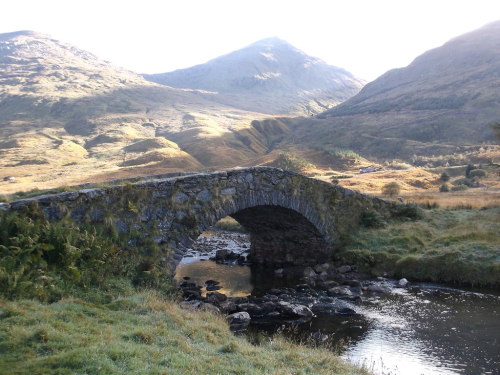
[(365, 37)]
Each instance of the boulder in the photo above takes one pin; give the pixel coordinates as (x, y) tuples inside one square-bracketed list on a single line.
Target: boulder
[(339, 291), (191, 294), (211, 282), (403, 283), (253, 309), (279, 272), (309, 272), (327, 284), (355, 283), (209, 307), (344, 269), (319, 268), (378, 288), (228, 307), (216, 298), (323, 275), (238, 321), (294, 310), (222, 254), (211, 288)]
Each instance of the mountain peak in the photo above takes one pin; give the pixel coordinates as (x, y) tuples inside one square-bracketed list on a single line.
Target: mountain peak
[(271, 41), (21, 33), (269, 76)]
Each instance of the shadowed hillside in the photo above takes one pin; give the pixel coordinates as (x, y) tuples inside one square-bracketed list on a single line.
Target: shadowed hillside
[(444, 102)]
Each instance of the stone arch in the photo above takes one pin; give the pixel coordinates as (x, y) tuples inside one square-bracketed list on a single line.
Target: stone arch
[(282, 229), (174, 210)]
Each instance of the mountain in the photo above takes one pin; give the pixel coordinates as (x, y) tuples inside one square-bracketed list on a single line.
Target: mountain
[(443, 103), (270, 76), (66, 116)]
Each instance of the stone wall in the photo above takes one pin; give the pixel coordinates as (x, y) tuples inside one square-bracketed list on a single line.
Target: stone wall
[(291, 218)]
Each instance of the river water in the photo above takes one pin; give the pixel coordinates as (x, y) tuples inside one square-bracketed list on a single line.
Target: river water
[(423, 329)]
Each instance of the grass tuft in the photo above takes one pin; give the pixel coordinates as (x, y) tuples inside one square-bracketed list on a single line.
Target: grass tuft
[(151, 335), (454, 246)]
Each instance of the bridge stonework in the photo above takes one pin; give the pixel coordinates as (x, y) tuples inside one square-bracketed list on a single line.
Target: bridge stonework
[(292, 219)]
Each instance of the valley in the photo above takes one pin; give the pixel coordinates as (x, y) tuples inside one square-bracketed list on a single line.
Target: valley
[(354, 196)]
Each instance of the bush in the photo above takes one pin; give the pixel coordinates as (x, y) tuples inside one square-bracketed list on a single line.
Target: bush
[(444, 188), (469, 169), (407, 211), (445, 177), (372, 219), (230, 224), (478, 173), (459, 188), (46, 261), (290, 162), (397, 165), (391, 189), (465, 181)]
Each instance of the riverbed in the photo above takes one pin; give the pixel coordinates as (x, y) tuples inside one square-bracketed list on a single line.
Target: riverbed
[(418, 329)]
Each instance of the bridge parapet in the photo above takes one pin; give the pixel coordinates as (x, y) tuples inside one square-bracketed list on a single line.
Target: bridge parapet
[(291, 218)]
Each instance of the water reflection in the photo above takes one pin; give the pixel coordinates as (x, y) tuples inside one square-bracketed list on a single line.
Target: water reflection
[(234, 279), (426, 329)]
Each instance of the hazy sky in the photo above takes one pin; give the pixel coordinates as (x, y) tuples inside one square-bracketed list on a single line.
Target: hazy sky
[(366, 37)]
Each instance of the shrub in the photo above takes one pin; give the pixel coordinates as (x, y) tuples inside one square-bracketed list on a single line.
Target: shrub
[(444, 188), (465, 181), (459, 188), (478, 173), (230, 224), (290, 162), (391, 189), (397, 165), (407, 211), (372, 219), (46, 261), (469, 169), (445, 177)]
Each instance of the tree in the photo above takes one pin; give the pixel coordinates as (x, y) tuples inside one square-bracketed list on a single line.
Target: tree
[(391, 189), (445, 177), (444, 188), (496, 129), (469, 168), (478, 173)]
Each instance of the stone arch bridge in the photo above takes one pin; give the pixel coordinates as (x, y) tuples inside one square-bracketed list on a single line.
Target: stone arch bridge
[(292, 219)]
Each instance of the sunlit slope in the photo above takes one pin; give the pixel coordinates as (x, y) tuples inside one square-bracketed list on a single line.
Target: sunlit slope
[(270, 76)]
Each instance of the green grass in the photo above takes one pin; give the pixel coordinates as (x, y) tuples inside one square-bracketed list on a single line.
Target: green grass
[(51, 260), (454, 246), (142, 334), (76, 301)]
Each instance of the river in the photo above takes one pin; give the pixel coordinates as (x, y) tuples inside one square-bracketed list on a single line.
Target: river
[(421, 329)]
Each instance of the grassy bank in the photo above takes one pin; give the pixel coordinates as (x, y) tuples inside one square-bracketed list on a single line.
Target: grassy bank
[(142, 334), (453, 246), (76, 301)]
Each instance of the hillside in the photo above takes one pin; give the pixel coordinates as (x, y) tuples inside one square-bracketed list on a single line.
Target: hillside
[(68, 117), (443, 103), (270, 76)]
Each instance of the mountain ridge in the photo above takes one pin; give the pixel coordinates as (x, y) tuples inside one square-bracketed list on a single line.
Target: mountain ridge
[(64, 112), (268, 76)]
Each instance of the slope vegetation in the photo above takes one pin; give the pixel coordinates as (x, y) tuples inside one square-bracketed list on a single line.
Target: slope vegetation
[(444, 102)]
